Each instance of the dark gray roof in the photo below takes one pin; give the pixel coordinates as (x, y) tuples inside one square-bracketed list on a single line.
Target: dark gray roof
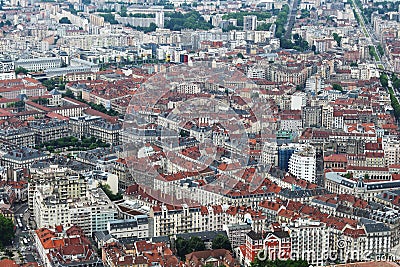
[(102, 235), (205, 236), (118, 224), (254, 236)]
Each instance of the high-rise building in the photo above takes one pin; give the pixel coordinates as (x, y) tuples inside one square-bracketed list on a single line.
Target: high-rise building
[(249, 23), (302, 163), (284, 154)]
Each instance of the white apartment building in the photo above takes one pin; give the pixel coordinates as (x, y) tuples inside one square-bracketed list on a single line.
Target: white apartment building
[(256, 73), (302, 163), (91, 213), (170, 220), (310, 241), (188, 88), (36, 64), (138, 227), (391, 148), (269, 154), (249, 23), (298, 100)]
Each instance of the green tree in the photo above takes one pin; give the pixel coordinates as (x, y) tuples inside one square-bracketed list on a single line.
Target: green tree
[(109, 193), (64, 20), (337, 38), (337, 87), (380, 50), (6, 230), (221, 241), (196, 244), (240, 55), (384, 80), (20, 70), (69, 94), (184, 246)]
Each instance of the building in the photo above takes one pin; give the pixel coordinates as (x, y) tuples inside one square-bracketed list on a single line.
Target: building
[(269, 245), (310, 241), (92, 212), (249, 23), (215, 257), (169, 220), (136, 228), (237, 233), (311, 116), (303, 164), (68, 183), (80, 126), (48, 130), (22, 158), (7, 71), (37, 64), (269, 154), (285, 152), (64, 248), (106, 131), (21, 136)]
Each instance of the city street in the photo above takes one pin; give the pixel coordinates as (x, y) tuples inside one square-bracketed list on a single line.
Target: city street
[(23, 241)]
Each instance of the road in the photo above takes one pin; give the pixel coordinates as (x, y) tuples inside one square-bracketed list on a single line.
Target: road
[(382, 62), (27, 249), (291, 19)]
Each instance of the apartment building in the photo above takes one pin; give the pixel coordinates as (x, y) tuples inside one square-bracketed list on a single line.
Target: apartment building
[(106, 131), (79, 126), (48, 130), (21, 136), (37, 64), (302, 163), (310, 241), (91, 212), (135, 228), (22, 158)]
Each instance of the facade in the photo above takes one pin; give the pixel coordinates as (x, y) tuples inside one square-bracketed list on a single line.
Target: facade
[(21, 136), (237, 233), (135, 228), (91, 213), (249, 23), (22, 158), (106, 131), (79, 126), (37, 64), (310, 241), (302, 163), (270, 245), (311, 116), (46, 131)]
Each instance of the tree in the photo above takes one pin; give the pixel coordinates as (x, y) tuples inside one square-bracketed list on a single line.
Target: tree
[(109, 193), (240, 55), (337, 38), (221, 241), (69, 94), (20, 69), (196, 244), (64, 20), (384, 80), (380, 50), (6, 230), (337, 87), (184, 246)]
